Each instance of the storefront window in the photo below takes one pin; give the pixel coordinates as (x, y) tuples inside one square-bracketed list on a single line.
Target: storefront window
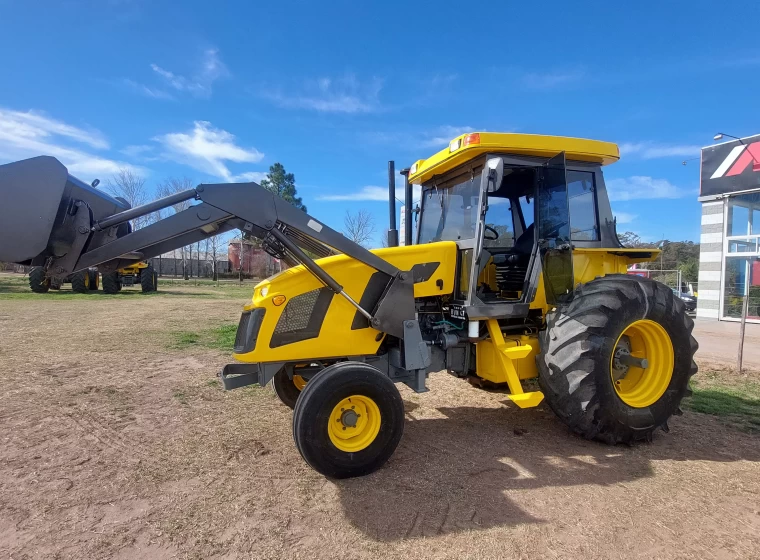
[(743, 215), (741, 268), (743, 245), (741, 278)]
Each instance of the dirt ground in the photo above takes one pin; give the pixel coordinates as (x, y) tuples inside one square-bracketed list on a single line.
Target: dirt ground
[(114, 443)]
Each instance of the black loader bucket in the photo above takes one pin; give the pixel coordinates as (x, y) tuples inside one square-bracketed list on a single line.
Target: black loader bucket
[(37, 209)]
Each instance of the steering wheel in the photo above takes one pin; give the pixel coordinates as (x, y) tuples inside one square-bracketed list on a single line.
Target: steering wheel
[(492, 230)]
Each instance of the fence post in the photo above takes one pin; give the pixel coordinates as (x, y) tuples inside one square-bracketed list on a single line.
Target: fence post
[(745, 310)]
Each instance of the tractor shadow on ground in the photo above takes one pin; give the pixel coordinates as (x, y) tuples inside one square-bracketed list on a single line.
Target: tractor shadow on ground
[(464, 470)]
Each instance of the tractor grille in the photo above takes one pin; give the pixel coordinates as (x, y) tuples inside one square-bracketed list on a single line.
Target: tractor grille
[(302, 317), (248, 331)]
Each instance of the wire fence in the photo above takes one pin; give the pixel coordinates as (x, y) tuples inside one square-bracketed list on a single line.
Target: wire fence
[(674, 279)]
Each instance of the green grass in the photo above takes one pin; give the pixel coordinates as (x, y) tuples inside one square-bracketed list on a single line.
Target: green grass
[(737, 401), (185, 339), (220, 338), (16, 287), (224, 336)]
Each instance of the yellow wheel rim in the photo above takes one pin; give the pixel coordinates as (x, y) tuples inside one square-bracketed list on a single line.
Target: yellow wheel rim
[(641, 365), (354, 423), (299, 382)]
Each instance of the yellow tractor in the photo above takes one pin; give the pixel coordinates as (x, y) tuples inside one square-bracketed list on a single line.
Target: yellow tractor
[(140, 273), (513, 272), (88, 280)]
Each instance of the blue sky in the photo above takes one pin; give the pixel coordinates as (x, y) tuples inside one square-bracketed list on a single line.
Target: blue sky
[(218, 91)]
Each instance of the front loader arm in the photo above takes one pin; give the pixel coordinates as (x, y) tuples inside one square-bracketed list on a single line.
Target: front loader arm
[(81, 238)]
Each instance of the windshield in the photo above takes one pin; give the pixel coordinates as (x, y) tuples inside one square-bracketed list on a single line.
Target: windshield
[(450, 213)]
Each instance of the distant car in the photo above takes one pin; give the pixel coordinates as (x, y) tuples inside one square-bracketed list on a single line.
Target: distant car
[(690, 302)]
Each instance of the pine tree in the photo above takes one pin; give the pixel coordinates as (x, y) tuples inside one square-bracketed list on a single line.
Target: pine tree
[(283, 185)]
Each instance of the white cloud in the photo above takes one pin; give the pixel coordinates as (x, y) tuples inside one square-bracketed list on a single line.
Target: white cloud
[(200, 84), (641, 187), (654, 150), (32, 133), (137, 150), (551, 80), (147, 91), (416, 140), (255, 176), (371, 193), (325, 95), (441, 136), (624, 217), (35, 125), (206, 149)]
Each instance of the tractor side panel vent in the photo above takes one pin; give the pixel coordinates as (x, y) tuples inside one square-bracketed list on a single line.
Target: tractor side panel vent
[(302, 317)]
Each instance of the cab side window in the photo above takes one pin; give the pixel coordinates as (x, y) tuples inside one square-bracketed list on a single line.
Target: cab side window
[(499, 229), (581, 193)]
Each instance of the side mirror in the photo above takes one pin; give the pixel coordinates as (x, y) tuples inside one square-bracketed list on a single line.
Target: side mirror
[(495, 169)]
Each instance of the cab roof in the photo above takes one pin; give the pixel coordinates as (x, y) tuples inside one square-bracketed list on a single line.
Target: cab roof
[(471, 145)]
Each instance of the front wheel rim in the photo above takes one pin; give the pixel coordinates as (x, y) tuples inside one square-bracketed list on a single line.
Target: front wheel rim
[(299, 382), (354, 423), (649, 343)]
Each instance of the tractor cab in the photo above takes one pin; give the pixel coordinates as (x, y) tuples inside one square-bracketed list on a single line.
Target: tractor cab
[(516, 205)]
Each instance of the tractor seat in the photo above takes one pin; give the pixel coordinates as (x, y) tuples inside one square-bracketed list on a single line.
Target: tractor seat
[(512, 264)]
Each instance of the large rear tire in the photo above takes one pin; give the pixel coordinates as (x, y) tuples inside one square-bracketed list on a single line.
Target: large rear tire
[(38, 281), (148, 279), (80, 282), (348, 420), (588, 349), (111, 284)]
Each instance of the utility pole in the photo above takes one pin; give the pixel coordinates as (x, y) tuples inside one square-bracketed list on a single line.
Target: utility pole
[(745, 310), (240, 260)]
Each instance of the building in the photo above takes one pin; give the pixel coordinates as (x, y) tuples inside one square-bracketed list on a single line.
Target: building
[(729, 259), (255, 261), (191, 261)]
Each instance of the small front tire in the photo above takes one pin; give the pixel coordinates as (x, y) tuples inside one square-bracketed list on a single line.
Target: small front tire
[(287, 389), (94, 280), (348, 420), (148, 279), (111, 283), (38, 281), (80, 282)]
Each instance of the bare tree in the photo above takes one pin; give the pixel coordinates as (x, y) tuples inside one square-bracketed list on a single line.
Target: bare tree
[(130, 186), (214, 246), (359, 227), (172, 186)]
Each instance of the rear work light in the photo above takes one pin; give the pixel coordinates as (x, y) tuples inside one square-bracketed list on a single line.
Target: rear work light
[(472, 139)]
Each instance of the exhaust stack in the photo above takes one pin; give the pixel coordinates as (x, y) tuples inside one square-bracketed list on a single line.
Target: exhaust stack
[(392, 231)]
